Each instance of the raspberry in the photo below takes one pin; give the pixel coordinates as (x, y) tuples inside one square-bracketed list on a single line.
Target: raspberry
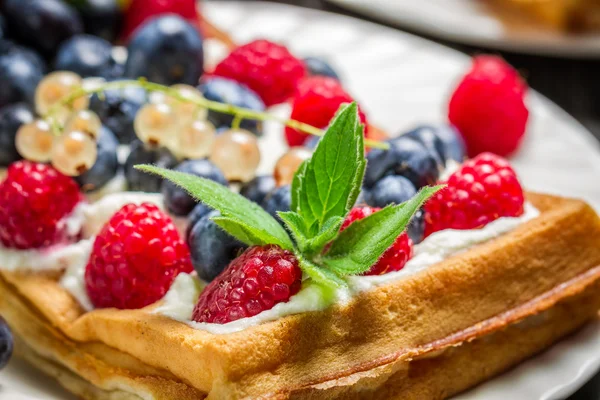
[(135, 258), (254, 282), (140, 11), (267, 68), (34, 200), (315, 102), (488, 109), (485, 188), (395, 257)]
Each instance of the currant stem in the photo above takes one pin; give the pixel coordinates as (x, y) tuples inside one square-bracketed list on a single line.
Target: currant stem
[(239, 113)]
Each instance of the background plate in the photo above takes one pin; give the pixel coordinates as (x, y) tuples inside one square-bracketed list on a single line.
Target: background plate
[(471, 22), (402, 80)]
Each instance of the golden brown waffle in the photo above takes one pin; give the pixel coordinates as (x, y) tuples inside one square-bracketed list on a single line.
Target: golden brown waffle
[(420, 337)]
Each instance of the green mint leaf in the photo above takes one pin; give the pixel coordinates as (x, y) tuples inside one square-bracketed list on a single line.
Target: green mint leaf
[(245, 218), (360, 245), (295, 224), (328, 232), (320, 275), (328, 184)]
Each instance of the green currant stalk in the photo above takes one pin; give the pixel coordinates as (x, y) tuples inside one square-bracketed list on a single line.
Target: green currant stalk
[(239, 113)]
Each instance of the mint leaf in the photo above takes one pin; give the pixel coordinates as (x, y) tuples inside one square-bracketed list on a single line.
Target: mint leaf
[(247, 220), (328, 184), (295, 224), (360, 245), (320, 275), (328, 232)]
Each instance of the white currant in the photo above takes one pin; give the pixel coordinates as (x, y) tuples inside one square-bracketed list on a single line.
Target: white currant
[(195, 139), (74, 153), (237, 154), (156, 124), (34, 141)]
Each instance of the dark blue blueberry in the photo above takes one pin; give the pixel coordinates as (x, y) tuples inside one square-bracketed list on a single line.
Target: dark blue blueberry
[(102, 18), (454, 144), (21, 70), (279, 199), (318, 66), (391, 189), (12, 117), (2, 27), (6, 343), (230, 92), (117, 109), (211, 248), (139, 181), (416, 228), (258, 188), (106, 166), (427, 136), (312, 141), (41, 24), (177, 200), (87, 56), (406, 157), (166, 50), (199, 211)]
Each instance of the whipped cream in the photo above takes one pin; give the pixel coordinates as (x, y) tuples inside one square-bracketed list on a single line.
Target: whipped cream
[(73, 280), (179, 301)]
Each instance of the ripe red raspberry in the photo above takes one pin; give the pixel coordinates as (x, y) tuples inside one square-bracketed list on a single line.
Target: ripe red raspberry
[(135, 258), (254, 282), (395, 257), (485, 188), (265, 67), (34, 200), (315, 102), (140, 11), (488, 109)]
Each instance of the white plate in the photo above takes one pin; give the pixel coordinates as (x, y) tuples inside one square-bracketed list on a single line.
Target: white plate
[(471, 22), (402, 80)]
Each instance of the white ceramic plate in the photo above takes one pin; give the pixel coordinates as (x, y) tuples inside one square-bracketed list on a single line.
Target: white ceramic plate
[(402, 80), (471, 22)]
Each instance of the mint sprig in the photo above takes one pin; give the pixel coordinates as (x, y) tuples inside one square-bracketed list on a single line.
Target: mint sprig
[(324, 190)]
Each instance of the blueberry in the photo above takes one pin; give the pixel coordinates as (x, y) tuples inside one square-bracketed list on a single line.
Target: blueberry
[(258, 188), (2, 27), (106, 165), (199, 211), (279, 199), (117, 109), (177, 200), (391, 189), (21, 70), (230, 92), (102, 18), (427, 136), (41, 24), (87, 56), (166, 50), (6, 343), (312, 141), (416, 227), (211, 248), (141, 154), (12, 117), (318, 66), (406, 157), (454, 144)]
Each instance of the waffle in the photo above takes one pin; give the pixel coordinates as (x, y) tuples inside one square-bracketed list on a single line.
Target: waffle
[(563, 15), (427, 336)]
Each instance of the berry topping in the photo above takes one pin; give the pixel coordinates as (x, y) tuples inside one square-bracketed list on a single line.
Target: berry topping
[(177, 200), (141, 153), (265, 67), (315, 102), (485, 188), (279, 199), (231, 92), (135, 258), (140, 11), (395, 257), (21, 70), (258, 188), (406, 157), (212, 248), (6, 343), (318, 66), (166, 50), (101, 18), (12, 117), (87, 56), (254, 282), (34, 200), (488, 109), (107, 164)]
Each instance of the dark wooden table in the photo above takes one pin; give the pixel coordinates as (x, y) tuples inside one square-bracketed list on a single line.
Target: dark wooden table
[(572, 84)]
